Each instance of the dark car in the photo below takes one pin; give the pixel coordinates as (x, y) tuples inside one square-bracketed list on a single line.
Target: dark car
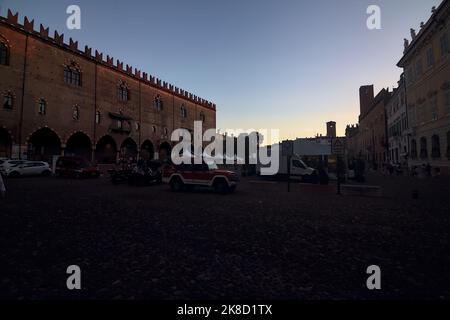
[(76, 167)]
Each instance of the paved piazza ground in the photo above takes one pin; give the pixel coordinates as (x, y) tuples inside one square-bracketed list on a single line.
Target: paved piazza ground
[(261, 242)]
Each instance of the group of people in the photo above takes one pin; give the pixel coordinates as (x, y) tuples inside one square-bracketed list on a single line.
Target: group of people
[(425, 170), (393, 168)]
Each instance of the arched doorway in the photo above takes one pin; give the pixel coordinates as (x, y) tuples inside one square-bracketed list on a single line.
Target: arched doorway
[(5, 144), (129, 150), (43, 145), (165, 151), (106, 150), (147, 150), (80, 145)]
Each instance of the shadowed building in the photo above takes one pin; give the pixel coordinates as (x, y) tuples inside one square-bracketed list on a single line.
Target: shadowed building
[(426, 64), (397, 125), (58, 99), (331, 129), (368, 140)]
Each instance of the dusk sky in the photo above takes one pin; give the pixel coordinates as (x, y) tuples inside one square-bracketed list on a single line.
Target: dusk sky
[(287, 64)]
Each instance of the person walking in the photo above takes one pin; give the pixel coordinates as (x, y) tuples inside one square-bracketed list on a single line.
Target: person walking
[(2, 188)]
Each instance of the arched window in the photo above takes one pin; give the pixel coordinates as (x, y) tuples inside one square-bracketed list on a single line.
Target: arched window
[(166, 131), (423, 148), (8, 100), (202, 117), (98, 117), (159, 105), (137, 126), (183, 111), (435, 146), (4, 54), (413, 149), (123, 92), (154, 129), (42, 107), (72, 75), (76, 113)]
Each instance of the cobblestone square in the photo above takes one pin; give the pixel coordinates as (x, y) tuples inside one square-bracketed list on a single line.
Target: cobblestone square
[(259, 243)]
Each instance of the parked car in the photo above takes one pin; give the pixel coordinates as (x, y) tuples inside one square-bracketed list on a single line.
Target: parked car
[(6, 164), (29, 168), (76, 167), (189, 176)]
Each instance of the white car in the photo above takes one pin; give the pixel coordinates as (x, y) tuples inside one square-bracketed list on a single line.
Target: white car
[(7, 163), (29, 168)]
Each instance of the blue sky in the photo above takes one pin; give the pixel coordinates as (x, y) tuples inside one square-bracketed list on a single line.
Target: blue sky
[(286, 64)]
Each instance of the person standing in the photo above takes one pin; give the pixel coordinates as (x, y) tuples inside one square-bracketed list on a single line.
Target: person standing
[(2, 187)]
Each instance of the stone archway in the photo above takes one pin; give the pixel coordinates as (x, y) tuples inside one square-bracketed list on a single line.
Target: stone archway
[(129, 150), (43, 145), (147, 150), (165, 151), (106, 150), (79, 144), (5, 144)]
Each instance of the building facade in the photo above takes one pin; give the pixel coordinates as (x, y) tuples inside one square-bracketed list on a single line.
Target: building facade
[(58, 99), (352, 136), (372, 135), (397, 125), (426, 64)]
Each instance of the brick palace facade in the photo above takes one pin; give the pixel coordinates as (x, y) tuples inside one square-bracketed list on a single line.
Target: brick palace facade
[(58, 99)]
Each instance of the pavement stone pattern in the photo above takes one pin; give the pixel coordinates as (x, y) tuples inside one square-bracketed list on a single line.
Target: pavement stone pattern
[(258, 243)]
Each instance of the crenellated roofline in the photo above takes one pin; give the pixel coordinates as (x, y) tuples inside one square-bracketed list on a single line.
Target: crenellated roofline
[(12, 20)]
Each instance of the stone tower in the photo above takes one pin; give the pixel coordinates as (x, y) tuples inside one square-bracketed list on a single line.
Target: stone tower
[(331, 129)]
